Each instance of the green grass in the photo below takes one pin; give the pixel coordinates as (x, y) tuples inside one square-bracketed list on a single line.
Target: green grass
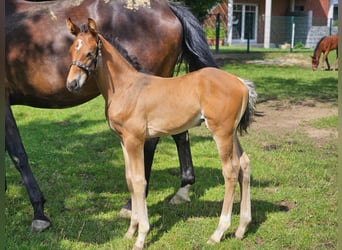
[(326, 122), (274, 82), (78, 163)]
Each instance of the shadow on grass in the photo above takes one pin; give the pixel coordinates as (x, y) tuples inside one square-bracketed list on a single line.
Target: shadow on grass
[(69, 162), (323, 89)]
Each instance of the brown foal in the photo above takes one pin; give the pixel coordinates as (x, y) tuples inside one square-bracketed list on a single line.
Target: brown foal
[(140, 106)]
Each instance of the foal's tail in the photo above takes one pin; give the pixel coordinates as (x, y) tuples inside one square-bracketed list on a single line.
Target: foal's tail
[(196, 52), (250, 109)]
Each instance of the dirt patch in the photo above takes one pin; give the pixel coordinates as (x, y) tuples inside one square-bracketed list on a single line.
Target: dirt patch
[(279, 117), (286, 59)]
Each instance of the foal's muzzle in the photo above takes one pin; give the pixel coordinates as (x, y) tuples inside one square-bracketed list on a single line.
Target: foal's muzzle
[(73, 86)]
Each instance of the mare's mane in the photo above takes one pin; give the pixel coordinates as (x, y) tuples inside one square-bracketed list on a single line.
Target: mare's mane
[(131, 59), (319, 43)]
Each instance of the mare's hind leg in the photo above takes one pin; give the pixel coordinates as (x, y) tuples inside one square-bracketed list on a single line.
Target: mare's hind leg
[(186, 167), (18, 155), (244, 182), (230, 171), (336, 62)]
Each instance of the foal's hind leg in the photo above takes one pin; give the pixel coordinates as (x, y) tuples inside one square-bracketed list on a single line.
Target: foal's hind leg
[(230, 171), (244, 182)]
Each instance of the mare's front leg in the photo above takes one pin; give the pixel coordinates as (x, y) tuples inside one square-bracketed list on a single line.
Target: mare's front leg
[(325, 59), (186, 166), (18, 155), (135, 177)]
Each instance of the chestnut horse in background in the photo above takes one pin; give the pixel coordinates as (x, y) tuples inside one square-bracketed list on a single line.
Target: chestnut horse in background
[(160, 33), (140, 106), (325, 45)]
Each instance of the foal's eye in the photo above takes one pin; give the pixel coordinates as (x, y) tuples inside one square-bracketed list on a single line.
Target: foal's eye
[(89, 55)]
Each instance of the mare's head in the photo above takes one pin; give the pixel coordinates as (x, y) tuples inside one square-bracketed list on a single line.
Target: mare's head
[(315, 62), (84, 53)]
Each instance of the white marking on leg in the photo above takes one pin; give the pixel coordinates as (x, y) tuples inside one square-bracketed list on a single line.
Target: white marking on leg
[(223, 225)]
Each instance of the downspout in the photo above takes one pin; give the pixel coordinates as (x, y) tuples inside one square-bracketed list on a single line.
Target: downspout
[(230, 22), (267, 28)]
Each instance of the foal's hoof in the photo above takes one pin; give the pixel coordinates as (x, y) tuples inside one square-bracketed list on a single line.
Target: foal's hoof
[(40, 225), (211, 241), (125, 213), (137, 248), (239, 234), (129, 235)]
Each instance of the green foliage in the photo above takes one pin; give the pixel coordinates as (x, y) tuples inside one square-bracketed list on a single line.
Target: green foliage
[(200, 8), (299, 45), (211, 32)]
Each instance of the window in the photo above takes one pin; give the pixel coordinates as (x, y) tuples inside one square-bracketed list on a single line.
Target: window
[(245, 21)]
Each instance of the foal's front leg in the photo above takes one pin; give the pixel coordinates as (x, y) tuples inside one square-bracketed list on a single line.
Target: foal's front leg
[(135, 176)]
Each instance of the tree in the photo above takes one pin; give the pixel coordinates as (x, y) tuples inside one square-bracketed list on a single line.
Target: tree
[(200, 8)]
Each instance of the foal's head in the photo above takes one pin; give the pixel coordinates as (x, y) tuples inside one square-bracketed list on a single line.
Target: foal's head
[(84, 53)]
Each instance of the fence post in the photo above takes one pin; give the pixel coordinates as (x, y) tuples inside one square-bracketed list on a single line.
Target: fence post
[(292, 33), (217, 32), (249, 32)]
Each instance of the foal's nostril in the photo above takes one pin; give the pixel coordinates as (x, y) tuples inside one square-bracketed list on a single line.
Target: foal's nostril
[(73, 86)]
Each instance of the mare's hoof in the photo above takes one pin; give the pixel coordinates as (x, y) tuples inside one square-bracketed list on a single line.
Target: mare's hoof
[(40, 225), (125, 213), (181, 196)]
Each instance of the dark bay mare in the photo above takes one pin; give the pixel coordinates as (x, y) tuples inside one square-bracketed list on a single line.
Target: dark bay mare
[(160, 33), (140, 106), (324, 46)]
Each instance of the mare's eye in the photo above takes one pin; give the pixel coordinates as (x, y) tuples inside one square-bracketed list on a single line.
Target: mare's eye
[(90, 55)]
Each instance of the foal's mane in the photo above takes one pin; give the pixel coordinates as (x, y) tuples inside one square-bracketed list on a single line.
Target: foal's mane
[(131, 59)]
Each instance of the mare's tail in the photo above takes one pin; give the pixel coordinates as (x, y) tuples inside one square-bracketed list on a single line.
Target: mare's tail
[(196, 52), (247, 117)]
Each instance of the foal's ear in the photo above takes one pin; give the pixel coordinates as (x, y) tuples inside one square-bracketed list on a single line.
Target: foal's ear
[(92, 26), (73, 28)]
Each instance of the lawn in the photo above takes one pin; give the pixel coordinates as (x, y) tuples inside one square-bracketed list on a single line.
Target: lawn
[(78, 163)]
